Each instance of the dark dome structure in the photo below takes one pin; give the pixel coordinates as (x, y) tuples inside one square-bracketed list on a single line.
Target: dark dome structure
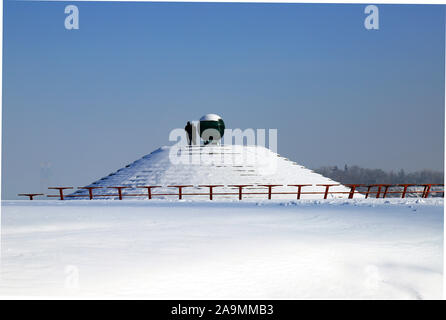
[(212, 128)]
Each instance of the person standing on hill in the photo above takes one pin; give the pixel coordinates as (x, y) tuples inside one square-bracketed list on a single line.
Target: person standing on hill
[(188, 129)]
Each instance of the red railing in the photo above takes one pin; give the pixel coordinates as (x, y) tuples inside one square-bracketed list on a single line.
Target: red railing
[(31, 195), (379, 190)]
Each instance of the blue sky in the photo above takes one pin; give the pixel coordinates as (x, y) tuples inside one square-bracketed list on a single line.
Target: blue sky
[(90, 101)]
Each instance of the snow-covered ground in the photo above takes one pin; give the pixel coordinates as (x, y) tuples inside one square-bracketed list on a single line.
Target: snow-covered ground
[(374, 248)]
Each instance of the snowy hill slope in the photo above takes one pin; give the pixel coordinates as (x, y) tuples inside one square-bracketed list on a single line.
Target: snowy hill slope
[(215, 165)]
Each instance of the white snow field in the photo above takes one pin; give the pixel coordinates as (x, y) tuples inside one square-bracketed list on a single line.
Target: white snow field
[(308, 249), (216, 165)]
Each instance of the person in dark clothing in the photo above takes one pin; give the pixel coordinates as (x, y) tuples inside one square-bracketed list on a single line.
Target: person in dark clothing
[(188, 129)]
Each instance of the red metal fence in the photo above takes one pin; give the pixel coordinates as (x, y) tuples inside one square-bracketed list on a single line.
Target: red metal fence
[(373, 190)]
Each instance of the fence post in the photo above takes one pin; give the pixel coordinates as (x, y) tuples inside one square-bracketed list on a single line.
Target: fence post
[(385, 190), (352, 189), (439, 185), (30, 195), (378, 193), (240, 187), (327, 186), (427, 189), (299, 188), (119, 191), (149, 190), (368, 191), (403, 194), (90, 190), (61, 189), (269, 186), (180, 190), (211, 187)]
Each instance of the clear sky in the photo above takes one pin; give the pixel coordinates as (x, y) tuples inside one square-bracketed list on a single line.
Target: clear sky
[(87, 102)]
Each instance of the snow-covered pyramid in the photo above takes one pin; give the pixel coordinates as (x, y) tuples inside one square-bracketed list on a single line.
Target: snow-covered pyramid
[(214, 165)]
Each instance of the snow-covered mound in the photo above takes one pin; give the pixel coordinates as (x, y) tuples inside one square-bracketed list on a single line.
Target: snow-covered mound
[(216, 165)]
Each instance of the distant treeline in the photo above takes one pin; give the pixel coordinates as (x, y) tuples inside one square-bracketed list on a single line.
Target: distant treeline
[(355, 174)]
